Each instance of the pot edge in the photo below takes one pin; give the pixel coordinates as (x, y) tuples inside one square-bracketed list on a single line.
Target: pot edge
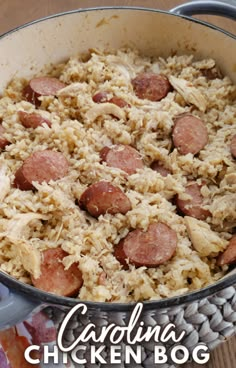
[(82, 10), (51, 299)]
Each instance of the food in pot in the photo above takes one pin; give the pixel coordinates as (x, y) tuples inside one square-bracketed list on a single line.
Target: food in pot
[(229, 255), (102, 197), (54, 278), (104, 97), (151, 86), (32, 120), (149, 248), (193, 206), (41, 166), (117, 177), (41, 86), (123, 157), (3, 141), (158, 167), (189, 134), (233, 146)]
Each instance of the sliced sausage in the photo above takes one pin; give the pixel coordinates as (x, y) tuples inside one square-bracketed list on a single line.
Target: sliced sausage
[(102, 96), (54, 277), (41, 166), (233, 146), (32, 120), (123, 157), (147, 248), (156, 166), (189, 134), (3, 141), (41, 86), (103, 197), (119, 102), (193, 207), (151, 86), (229, 255)]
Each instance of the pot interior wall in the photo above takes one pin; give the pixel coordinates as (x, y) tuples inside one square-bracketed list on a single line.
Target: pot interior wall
[(25, 51)]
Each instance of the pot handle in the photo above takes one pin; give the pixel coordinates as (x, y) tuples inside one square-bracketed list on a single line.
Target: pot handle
[(206, 7), (14, 308)]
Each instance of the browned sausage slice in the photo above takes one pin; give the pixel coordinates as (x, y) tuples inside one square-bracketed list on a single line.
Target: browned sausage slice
[(41, 166), (54, 278), (147, 248), (32, 120), (103, 197), (151, 86), (41, 86), (122, 157), (193, 207), (189, 134), (3, 141), (102, 96), (156, 166), (233, 146), (229, 255), (119, 102)]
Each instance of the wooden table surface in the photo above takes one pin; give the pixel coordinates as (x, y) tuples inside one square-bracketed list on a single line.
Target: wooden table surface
[(15, 12)]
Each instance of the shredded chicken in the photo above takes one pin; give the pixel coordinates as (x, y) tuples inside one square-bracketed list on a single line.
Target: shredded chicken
[(29, 256), (229, 179), (3, 226), (16, 226), (124, 68), (224, 207), (105, 109), (204, 240), (14, 231), (205, 64), (72, 89), (5, 185), (189, 93)]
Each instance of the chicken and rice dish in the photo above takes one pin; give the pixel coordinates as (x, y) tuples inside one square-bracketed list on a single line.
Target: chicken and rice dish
[(118, 176)]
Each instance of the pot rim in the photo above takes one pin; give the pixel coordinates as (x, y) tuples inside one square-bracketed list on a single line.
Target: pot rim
[(118, 7), (48, 298)]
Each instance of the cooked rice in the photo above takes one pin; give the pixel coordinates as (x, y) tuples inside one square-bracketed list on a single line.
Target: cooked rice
[(80, 135)]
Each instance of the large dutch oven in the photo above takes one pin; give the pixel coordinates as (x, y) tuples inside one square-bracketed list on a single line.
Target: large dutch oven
[(153, 32)]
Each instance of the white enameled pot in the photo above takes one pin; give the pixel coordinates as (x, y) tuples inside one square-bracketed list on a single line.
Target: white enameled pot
[(25, 50)]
